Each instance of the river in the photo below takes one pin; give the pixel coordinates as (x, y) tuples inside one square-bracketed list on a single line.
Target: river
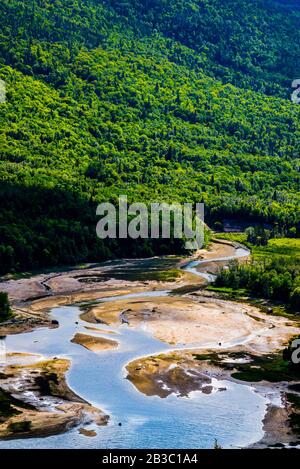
[(233, 417)]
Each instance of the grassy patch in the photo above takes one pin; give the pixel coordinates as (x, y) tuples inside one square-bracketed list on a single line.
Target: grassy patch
[(166, 275), (206, 356), (185, 289), (231, 292), (294, 399), (235, 237), (272, 369), (46, 383), (279, 310), (6, 408), (5, 309), (169, 275), (282, 247), (266, 368)]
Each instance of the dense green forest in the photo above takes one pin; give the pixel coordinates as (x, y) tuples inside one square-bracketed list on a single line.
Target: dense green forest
[(273, 271), (249, 43), (141, 98)]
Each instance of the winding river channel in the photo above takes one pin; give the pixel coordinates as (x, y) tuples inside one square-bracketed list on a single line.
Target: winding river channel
[(233, 417)]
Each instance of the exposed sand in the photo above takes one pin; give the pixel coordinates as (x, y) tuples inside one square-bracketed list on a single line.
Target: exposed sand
[(89, 433), (276, 427), (199, 322), (205, 322), (34, 314), (217, 250), (173, 373), (25, 320), (94, 278), (40, 401), (31, 312), (181, 372), (33, 297), (100, 331), (95, 344), (67, 286)]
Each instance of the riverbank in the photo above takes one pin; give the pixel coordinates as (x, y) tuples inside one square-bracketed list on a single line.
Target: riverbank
[(197, 319), (165, 300), (32, 298), (91, 279), (35, 399), (183, 373)]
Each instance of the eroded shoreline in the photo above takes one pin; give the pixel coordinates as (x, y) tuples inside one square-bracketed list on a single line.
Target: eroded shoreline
[(185, 320), (36, 400), (187, 371)]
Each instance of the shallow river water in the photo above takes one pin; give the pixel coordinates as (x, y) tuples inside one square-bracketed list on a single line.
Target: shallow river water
[(233, 417)]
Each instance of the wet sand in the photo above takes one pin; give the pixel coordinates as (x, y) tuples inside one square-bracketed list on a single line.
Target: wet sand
[(188, 320), (36, 400), (173, 373), (31, 308), (182, 372), (43, 291), (192, 321), (95, 344)]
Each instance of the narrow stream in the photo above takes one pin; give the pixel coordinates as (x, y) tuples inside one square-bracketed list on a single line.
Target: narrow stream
[(233, 417), (193, 265)]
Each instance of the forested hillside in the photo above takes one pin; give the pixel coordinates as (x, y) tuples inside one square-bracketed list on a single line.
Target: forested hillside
[(250, 43), (106, 98)]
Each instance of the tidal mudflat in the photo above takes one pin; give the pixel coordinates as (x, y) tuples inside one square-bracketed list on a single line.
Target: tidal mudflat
[(144, 348)]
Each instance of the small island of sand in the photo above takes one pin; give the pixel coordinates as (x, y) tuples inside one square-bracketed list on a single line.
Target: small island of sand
[(95, 344)]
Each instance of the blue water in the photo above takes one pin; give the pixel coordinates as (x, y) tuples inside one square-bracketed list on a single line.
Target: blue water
[(192, 266), (233, 417)]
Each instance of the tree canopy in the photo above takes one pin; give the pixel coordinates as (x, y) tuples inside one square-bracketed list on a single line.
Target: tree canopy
[(157, 100)]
